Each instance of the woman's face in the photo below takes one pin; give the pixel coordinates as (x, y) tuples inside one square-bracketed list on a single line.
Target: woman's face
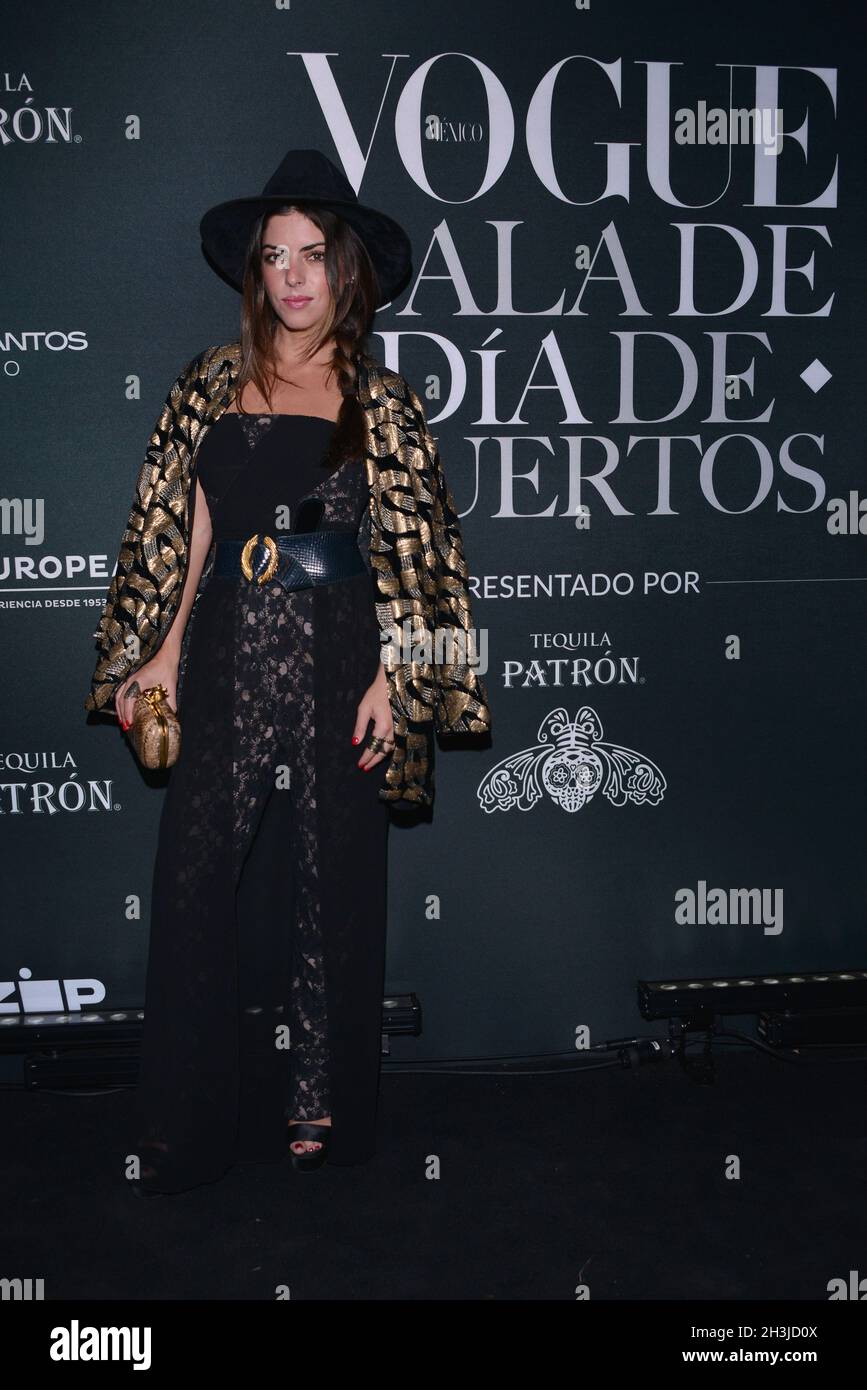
[(293, 271)]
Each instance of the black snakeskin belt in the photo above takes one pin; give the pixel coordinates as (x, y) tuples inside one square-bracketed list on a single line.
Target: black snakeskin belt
[(295, 561)]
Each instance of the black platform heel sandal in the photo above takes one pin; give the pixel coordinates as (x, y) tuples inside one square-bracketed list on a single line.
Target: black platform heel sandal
[(136, 1189), (300, 1130), (139, 1187)]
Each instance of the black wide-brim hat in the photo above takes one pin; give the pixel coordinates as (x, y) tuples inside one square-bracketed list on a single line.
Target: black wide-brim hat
[(306, 176)]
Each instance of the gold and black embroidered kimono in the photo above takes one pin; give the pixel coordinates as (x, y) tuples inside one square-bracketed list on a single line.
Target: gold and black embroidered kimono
[(415, 547)]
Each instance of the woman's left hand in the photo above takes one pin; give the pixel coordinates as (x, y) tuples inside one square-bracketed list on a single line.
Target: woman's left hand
[(375, 705)]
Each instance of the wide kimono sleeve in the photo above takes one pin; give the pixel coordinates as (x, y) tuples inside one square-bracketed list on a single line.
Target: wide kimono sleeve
[(461, 699), (143, 591)]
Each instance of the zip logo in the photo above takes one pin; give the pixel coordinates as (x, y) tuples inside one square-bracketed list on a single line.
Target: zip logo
[(48, 996)]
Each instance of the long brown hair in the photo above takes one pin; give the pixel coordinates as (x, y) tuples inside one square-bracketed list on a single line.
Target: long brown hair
[(353, 304)]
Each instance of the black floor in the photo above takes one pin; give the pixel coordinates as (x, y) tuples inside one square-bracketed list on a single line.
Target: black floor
[(613, 1179)]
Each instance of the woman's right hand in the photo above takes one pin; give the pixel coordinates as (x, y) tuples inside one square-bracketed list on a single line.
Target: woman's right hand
[(163, 670)]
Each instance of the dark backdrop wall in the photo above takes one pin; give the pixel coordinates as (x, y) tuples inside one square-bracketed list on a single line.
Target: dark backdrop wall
[(642, 351)]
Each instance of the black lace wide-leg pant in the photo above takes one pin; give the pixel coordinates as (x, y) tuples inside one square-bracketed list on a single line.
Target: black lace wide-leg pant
[(266, 966)]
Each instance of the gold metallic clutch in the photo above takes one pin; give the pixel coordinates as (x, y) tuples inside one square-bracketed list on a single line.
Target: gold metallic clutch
[(155, 731)]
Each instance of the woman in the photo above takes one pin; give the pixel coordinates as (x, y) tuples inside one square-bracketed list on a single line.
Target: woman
[(291, 516)]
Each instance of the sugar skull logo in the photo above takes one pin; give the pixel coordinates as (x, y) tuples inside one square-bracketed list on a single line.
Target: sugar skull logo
[(571, 763)]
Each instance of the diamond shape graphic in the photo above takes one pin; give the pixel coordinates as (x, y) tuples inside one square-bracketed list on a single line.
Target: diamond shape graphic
[(816, 375)]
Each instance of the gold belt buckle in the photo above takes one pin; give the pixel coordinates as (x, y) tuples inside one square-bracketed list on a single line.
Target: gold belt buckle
[(271, 546)]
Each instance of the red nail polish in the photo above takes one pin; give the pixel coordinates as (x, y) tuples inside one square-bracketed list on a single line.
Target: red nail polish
[(355, 740)]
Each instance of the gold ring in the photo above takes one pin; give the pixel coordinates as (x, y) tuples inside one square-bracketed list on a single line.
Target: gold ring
[(271, 546)]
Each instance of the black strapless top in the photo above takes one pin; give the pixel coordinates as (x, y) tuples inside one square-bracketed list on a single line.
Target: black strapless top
[(256, 470)]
